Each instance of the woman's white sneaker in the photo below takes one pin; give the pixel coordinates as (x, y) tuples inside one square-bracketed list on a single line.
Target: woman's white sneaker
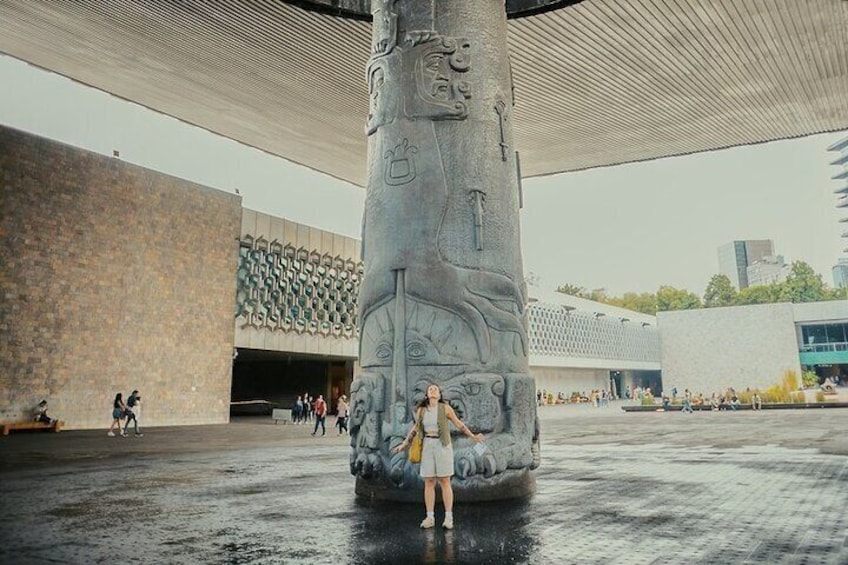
[(428, 523)]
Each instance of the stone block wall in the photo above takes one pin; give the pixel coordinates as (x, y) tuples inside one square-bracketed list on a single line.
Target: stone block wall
[(113, 278)]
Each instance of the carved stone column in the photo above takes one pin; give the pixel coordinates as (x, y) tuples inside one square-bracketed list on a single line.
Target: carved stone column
[(443, 295)]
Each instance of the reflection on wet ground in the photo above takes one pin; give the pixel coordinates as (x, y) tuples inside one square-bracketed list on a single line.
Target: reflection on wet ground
[(613, 488)]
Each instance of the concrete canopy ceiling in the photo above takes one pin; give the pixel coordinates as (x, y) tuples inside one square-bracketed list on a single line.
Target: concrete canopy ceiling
[(599, 82)]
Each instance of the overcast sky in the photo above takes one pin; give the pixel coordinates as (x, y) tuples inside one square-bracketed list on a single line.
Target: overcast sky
[(626, 228)]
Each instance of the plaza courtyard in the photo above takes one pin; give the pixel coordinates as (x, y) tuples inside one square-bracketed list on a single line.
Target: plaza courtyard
[(743, 487)]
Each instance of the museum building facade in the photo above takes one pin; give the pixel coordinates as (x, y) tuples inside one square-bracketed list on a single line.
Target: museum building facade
[(117, 278)]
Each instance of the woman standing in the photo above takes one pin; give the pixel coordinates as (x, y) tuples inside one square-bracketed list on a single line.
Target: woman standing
[(118, 409), (431, 420)]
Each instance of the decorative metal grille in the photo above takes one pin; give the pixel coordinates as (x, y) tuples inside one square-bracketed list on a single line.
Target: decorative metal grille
[(559, 332), (283, 288)]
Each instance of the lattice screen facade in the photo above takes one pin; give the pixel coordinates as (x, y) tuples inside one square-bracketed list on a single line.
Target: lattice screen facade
[(558, 332), (288, 289)]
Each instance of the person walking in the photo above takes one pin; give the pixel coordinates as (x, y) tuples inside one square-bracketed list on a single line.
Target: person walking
[(687, 402), (320, 415), (431, 421), (132, 412), (118, 409), (341, 414)]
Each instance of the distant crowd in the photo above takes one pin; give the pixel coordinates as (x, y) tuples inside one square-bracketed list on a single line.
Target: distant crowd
[(308, 409)]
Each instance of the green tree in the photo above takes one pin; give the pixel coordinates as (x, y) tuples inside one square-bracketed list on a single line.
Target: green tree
[(670, 298), (836, 293), (759, 294), (802, 285), (572, 289), (598, 295), (645, 302), (719, 292)]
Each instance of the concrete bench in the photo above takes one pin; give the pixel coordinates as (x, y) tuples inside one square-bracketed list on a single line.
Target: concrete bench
[(55, 426), (281, 415)]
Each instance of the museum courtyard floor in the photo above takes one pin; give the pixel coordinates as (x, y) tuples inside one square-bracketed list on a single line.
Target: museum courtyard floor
[(712, 487)]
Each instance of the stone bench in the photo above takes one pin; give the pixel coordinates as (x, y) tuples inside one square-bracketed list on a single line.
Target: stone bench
[(55, 426)]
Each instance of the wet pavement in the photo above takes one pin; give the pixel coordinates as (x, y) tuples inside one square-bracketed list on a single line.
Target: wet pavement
[(745, 487)]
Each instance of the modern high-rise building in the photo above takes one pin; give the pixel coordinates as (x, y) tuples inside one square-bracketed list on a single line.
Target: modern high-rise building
[(840, 273), (840, 270), (768, 270), (735, 257)]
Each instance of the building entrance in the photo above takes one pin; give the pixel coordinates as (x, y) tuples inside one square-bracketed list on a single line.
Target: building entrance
[(263, 380), (836, 372)]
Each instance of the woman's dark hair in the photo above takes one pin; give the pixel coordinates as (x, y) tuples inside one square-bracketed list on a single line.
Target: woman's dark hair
[(118, 397), (426, 401)]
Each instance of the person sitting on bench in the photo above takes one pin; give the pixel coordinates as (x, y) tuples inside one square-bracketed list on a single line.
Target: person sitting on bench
[(40, 412)]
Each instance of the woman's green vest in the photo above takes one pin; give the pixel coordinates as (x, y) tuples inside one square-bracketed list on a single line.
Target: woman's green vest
[(441, 418)]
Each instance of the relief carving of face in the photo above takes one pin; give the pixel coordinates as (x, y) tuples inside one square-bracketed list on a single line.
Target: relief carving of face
[(419, 350), (433, 337), (434, 77), (477, 399), (436, 61), (361, 403), (382, 103)]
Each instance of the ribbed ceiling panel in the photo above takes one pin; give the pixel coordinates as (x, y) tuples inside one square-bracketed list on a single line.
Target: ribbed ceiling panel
[(599, 83)]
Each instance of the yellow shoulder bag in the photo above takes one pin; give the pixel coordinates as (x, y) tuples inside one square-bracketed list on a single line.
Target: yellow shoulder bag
[(417, 442)]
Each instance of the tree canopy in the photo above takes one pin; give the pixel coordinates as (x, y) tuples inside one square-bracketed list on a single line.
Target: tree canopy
[(719, 292), (802, 284), (670, 298)]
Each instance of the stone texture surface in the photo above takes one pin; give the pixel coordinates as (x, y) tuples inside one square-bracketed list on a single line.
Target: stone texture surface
[(706, 488), (113, 278)]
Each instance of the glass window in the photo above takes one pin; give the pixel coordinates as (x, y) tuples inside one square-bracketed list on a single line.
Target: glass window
[(824, 333)]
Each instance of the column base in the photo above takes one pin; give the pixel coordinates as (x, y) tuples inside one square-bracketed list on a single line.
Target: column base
[(509, 485)]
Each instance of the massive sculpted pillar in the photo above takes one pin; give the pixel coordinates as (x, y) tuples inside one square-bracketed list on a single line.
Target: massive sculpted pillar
[(443, 295)]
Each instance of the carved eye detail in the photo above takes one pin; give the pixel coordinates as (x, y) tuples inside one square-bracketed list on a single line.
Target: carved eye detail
[(432, 62), (472, 388), (384, 351), (415, 350)]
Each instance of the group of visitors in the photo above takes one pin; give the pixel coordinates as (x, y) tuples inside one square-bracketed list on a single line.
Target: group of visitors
[(125, 412), (637, 393), (597, 397), (307, 409), (726, 400), (303, 410)]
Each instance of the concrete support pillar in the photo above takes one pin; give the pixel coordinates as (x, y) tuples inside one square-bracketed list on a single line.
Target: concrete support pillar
[(443, 295)]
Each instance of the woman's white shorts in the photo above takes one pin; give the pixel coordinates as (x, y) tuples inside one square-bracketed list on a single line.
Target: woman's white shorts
[(436, 459)]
